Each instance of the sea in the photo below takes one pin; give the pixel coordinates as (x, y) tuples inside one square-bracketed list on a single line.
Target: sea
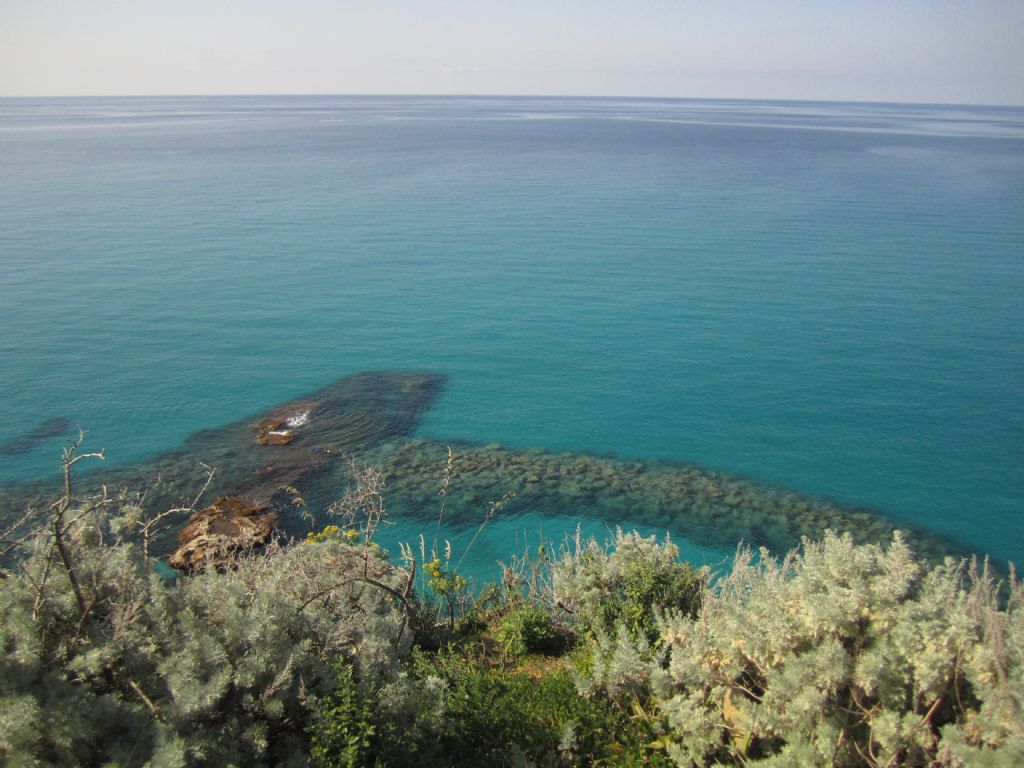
[(826, 298)]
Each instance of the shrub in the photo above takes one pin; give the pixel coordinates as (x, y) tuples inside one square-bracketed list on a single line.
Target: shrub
[(625, 583), (342, 731), (846, 655), (103, 662), (495, 717), (527, 628), (837, 654)]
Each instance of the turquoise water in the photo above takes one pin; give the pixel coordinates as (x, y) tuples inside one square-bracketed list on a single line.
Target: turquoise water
[(824, 297)]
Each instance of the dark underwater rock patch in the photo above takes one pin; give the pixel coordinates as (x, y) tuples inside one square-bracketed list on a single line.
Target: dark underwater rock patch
[(708, 508), (55, 427), (295, 453), (348, 417)]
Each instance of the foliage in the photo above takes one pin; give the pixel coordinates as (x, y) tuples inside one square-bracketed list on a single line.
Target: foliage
[(104, 662), (494, 717), (625, 583), (446, 583), (332, 532), (837, 654), (526, 628), (343, 728), (474, 714), (846, 655)]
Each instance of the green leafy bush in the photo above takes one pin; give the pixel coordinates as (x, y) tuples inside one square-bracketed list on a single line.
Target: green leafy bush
[(343, 727), (494, 717), (527, 629)]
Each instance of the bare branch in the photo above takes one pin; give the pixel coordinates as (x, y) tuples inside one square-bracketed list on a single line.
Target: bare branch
[(59, 525), (145, 700)]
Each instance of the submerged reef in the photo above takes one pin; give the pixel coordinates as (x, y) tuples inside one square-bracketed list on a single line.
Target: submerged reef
[(287, 465), (42, 432), (708, 508), (349, 417)]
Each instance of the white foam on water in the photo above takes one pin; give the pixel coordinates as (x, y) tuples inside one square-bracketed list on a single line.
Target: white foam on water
[(300, 418)]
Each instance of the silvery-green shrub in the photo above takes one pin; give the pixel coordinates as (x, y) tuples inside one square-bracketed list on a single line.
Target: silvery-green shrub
[(841, 654), (624, 583), (218, 668)]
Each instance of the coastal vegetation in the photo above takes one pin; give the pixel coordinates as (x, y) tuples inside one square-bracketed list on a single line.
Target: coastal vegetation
[(325, 649)]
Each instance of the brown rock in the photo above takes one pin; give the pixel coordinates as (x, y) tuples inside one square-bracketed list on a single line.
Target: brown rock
[(272, 431), (213, 535)]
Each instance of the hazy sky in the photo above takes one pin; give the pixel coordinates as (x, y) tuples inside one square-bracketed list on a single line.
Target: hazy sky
[(969, 51)]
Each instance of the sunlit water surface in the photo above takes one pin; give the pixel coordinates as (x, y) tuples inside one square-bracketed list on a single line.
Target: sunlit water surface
[(822, 297)]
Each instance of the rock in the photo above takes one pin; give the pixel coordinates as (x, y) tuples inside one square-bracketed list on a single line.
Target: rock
[(213, 535), (280, 426), (272, 431)]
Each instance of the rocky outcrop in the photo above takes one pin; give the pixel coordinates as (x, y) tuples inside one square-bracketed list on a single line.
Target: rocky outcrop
[(273, 432), (227, 527), (281, 426)]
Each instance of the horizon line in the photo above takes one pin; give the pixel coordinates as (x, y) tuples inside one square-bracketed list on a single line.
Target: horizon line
[(609, 97)]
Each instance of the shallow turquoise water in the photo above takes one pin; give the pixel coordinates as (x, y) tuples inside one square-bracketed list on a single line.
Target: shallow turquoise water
[(825, 297)]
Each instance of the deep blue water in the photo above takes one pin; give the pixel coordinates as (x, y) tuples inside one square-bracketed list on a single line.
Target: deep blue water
[(825, 297)]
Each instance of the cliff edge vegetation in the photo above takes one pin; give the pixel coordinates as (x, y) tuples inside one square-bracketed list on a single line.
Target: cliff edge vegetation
[(327, 650)]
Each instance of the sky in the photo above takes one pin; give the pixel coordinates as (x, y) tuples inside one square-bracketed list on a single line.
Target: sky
[(934, 51)]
